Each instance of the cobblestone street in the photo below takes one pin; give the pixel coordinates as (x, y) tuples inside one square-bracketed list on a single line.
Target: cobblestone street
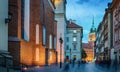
[(89, 67)]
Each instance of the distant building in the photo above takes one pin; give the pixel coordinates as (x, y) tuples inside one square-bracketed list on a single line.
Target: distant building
[(89, 47), (116, 29), (74, 36), (104, 42)]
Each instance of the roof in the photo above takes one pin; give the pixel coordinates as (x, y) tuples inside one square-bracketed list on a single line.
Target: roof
[(72, 25), (89, 45)]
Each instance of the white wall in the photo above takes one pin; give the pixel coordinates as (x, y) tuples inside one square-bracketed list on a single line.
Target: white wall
[(76, 52), (61, 25), (3, 26), (60, 30)]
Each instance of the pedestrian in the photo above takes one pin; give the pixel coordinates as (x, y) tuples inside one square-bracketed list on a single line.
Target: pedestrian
[(66, 66), (78, 63)]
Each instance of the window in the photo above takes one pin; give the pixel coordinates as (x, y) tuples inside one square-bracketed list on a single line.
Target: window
[(74, 47), (50, 41), (74, 31), (26, 19), (44, 35), (67, 39), (67, 47), (74, 39), (37, 54), (55, 43), (115, 36), (37, 34)]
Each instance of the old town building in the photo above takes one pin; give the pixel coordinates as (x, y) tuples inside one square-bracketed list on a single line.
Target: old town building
[(116, 29), (104, 42), (88, 48), (73, 46), (32, 32)]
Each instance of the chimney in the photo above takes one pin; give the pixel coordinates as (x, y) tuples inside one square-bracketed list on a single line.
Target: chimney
[(73, 21)]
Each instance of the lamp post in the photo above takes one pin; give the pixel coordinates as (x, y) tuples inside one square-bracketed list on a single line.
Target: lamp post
[(61, 41)]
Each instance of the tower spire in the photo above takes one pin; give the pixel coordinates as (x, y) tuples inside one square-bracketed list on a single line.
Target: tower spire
[(93, 22), (93, 29)]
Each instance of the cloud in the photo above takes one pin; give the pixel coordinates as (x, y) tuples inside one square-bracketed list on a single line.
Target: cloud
[(82, 1)]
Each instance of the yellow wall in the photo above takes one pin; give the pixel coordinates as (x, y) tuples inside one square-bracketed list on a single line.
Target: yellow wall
[(90, 54)]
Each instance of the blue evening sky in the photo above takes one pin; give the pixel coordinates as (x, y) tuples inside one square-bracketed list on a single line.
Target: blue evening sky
[(83, 11)]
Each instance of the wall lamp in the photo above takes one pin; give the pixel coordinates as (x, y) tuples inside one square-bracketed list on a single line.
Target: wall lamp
[(7, 20)]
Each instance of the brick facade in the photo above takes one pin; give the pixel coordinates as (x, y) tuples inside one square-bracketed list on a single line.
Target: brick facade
[(13, 40), (23, 51)]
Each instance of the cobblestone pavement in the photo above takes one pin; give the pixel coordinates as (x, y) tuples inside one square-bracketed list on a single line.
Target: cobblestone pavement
[(89, 67)]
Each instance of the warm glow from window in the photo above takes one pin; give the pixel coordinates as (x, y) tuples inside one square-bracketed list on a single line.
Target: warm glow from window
[(57, 2), (37, 34), (50, 56), (50, 41), (37, 54)]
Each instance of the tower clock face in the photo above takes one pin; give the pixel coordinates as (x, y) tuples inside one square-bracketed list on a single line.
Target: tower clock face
[(92, 37)]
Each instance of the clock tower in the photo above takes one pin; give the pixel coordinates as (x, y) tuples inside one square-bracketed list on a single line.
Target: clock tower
[(92, 35)]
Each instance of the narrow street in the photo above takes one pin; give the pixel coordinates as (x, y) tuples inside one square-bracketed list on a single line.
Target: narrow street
[(88, 67)]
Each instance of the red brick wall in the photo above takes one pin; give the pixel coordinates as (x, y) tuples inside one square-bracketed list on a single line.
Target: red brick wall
[(49, 20), (14, 24), (14, 49), (40, 13)]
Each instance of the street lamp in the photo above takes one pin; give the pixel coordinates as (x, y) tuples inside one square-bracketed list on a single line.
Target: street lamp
[(7, 20), (61, 41)]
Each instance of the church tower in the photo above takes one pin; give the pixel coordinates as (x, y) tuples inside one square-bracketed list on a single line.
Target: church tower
[(92, 35)]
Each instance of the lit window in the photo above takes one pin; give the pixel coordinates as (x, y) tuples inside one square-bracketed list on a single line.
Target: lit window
[(74, 31), (50, 41), (74, 39), (37, 34), (37, 54)]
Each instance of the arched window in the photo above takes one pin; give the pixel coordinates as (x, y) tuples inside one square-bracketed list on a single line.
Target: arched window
[(55, 43), (44, 35), (37, 34), (27, 20), (50, 41)]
